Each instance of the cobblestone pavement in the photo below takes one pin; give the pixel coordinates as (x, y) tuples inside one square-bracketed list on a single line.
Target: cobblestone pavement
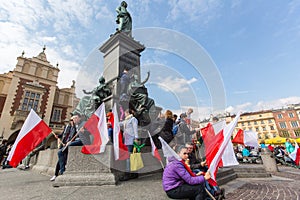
[(284, 184), (17, 184)]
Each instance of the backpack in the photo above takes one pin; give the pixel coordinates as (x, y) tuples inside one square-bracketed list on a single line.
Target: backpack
[(175, 129)]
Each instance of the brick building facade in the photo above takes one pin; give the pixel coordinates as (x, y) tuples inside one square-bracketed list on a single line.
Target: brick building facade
[(32, 84)]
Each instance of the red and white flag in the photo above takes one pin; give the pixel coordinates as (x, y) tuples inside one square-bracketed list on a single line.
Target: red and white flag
[(213, 136), (167, 150), (120, 149), (155, 152), (246, 138), (97, 126), (215, 156), (32, 133), (295, 155)]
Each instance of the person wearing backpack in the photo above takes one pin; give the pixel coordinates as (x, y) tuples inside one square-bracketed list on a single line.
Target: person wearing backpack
[(183, 134)]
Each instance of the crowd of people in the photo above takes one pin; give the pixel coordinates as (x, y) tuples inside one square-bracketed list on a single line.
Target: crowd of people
[(186, 177)]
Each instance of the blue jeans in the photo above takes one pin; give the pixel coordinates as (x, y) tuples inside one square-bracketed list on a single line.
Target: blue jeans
[(76, 143), (62, 161), (130, 150)]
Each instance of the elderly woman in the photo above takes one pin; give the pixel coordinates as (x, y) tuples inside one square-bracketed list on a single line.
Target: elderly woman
[(179, 182)]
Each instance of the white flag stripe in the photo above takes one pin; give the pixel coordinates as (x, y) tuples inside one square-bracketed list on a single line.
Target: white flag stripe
[(116, 131), (102, 127), (293, 155), (228, 157), (228, 129), (167, 150), (250, 138), (31, 121)]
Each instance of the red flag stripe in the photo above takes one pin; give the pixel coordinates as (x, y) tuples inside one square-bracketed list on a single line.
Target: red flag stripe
[(239, 137), (97, 126)]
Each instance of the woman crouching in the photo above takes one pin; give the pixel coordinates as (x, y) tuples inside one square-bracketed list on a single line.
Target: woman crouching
[(180, 182)]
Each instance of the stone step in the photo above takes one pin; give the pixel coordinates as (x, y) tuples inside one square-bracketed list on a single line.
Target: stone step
[(227, 178), (224, 172), (253, 175), (225, 175), (251, 171)]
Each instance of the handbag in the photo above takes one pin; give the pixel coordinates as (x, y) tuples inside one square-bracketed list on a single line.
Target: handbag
[(136, 161)]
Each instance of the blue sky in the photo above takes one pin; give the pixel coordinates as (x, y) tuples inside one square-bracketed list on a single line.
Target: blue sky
[(253, 45)]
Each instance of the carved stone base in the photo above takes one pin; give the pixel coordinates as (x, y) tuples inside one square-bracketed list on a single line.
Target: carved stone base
[(87, 170), (46, 162)]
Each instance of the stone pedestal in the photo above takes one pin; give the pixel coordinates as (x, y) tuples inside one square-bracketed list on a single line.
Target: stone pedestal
[(268, 161), (87, 170), (46, 162), (120, 51)]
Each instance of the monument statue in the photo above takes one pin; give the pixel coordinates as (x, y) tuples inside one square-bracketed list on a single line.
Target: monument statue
[(135, 97), (124, 19), (88, 104)]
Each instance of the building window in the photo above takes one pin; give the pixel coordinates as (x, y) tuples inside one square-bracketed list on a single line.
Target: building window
[(297, 133), (285, 134), (56, 115), (294, 124), (249, 123), (272, 128), (255, 122), (259, 136), (262, 122), (243, 124), (30, 101), (260, 115), (282, 125), (270, 121), (264, 128), (279, 116), (291, 115), (256, 129)]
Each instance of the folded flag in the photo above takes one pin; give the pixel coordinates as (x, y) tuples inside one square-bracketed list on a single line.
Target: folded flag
[(32, 133)]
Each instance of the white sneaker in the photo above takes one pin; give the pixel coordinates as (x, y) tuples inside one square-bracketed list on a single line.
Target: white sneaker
[(53, 178)]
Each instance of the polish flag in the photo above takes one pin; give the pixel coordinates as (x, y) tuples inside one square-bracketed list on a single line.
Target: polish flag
[(246, 138), (155, 152), (167, 150), (120, 149), (216, 146), (213, 136), (97, 126), (32, 133), (295, 155)]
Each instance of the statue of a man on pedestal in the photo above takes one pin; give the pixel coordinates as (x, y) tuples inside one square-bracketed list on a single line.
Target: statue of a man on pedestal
[(124, 19)]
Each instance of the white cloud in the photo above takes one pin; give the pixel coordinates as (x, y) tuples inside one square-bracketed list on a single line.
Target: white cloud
[(194, 10), (263, 105), (178, 85)]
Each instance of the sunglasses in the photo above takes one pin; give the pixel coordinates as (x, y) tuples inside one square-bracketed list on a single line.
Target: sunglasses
[(185, 153)]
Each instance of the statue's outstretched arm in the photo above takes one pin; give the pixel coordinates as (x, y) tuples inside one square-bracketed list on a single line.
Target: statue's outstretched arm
[(85, 92), (147, 78)]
